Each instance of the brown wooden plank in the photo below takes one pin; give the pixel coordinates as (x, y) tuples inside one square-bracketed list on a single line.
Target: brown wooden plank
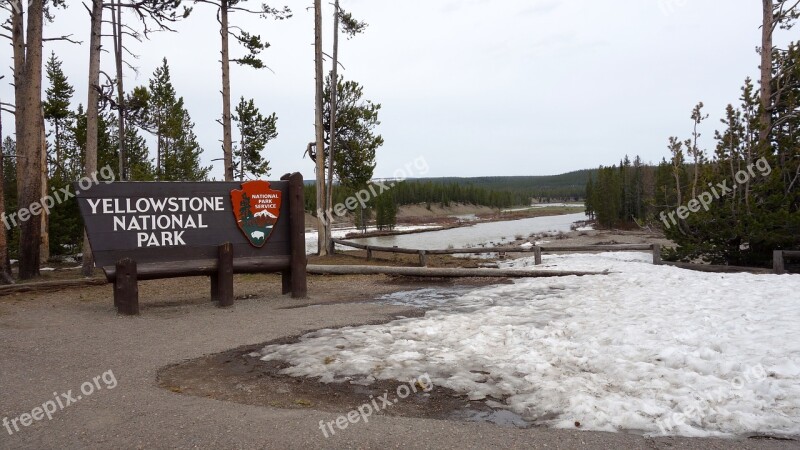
[(126, 288), (297, 236), (225, 275), (206, 267), (442, 272), (716, 268), (477, 250), (657, 254), (778, 262), (47, 286)]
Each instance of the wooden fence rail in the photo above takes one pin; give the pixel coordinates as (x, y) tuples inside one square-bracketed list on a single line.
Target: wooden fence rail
[(537, 250), (779, 257)]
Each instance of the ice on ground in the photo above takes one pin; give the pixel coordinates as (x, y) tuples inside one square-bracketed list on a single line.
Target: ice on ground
[(655, 349)]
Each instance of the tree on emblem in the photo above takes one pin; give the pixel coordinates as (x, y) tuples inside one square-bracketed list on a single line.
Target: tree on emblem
[(244, 210)]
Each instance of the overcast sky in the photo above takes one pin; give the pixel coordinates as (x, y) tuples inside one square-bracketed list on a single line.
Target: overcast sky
[(476, 87)]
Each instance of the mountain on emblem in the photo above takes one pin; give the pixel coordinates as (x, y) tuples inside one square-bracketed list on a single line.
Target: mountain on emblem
[(256, 208)]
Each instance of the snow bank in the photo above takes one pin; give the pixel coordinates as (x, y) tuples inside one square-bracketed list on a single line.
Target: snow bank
[(652, 349)]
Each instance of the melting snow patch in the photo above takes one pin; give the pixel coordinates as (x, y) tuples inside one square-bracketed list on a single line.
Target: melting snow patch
[(654, 349)]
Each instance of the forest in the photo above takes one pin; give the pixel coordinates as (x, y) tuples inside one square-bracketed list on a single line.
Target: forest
[(739, 201), (146, 133)]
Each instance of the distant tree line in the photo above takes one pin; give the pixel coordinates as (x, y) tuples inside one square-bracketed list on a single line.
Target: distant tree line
[(742, 201), (411, 192)]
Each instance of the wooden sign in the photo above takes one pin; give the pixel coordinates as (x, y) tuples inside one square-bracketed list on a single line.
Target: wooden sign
[(257, 208), (172, 229)]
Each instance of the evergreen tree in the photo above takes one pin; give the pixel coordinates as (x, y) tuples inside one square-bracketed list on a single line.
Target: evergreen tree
[(57, 112), (255, 131), (138, 165), (161, 112), (356, 141), (590, 198)]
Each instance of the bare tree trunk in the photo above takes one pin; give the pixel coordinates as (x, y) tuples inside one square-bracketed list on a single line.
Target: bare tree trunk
[(29, 145), (44, 245), (322, 223), (116, 21), (241, 161), (227, 140), (332, 134), (766, 74), (92, 113), (5, 268)]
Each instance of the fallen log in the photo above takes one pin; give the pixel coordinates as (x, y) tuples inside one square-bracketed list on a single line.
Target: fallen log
[(718, 268), (45, 286), (441, 272)]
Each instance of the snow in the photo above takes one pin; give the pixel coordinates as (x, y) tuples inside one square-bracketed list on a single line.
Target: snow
[(650, 349)]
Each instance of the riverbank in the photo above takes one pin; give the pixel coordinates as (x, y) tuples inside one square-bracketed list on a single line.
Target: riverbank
[(457, 214)]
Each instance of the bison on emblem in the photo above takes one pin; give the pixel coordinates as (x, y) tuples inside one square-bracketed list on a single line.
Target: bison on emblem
[(256, 207)]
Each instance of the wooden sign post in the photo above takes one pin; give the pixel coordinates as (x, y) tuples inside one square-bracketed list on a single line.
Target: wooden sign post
[(145, 231)]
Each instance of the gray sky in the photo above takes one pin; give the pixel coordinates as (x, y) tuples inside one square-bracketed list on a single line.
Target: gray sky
[(476, 87)]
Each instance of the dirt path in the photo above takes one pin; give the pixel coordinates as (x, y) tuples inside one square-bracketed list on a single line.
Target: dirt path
[(56, 342)]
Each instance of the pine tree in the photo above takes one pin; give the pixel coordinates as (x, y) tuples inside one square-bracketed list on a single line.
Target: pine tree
[(57, 112), (183, 162), (356, 141), (590, 198), (255, 131), (138, 165), (161, 112)]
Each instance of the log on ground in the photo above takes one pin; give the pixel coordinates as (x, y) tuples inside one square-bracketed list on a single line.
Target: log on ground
[(441, 272)]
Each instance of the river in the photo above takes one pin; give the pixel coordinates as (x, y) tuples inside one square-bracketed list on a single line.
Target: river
[(482, 233)]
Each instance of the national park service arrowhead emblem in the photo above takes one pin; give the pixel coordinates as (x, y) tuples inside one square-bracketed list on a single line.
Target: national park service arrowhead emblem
[(256, 208)]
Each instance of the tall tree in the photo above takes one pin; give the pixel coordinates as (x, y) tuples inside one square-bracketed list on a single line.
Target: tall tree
[(775, 14), (255, 132), (162, 113), (692, 147), (322, 223), (767, 29), (355, 135), (27, 51), (5, 267), (350, 27), (252, 44), (354, 162), (57, 111), (153, 15), (92, 114)]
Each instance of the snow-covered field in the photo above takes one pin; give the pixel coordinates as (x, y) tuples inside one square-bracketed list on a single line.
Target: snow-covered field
[(652, 349)]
